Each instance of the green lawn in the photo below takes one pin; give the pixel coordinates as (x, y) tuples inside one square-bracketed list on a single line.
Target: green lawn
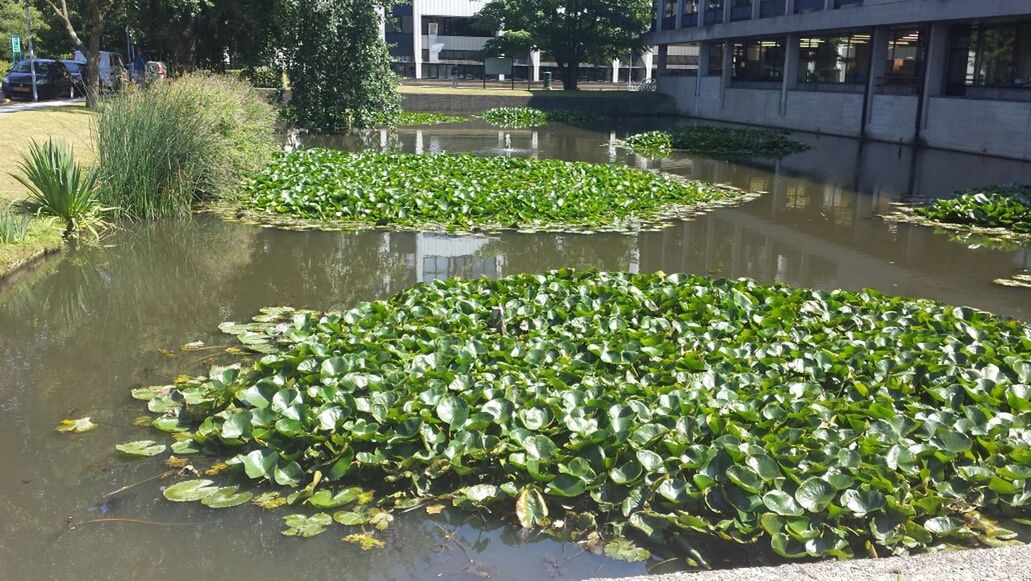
[(71, 123)]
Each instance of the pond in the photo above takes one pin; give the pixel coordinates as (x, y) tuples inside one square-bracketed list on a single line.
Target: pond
[(81, 329)]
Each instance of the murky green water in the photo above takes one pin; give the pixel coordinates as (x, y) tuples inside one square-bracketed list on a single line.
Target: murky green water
[(82, 329)]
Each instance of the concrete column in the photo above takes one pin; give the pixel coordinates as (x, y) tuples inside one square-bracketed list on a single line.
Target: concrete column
[(647, 58), (790, 80), (878, 62), (417, 40), (728, 69), (934, 73), (615, 70), (704, 52), (726, 10), (535, 61), (658, 13), (756, 9), (679, 14), (701, 12), (828, 4), (663, 58), (789, 6)]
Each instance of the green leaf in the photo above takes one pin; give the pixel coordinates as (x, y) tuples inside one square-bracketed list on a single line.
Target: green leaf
[(862, 503), (141, 448), (299, 525), (191, 490), (814, 494), (782, 503), (624, 550), (259, 463), (530, 508), (227, 497), (76, 426)]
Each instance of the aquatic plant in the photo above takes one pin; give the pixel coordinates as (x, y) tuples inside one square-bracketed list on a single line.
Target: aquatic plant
[(521, 117), (718, 142), (461, 191), (173, 144), (1005, 207), (418, 118), (13, 227), (58, 186), (600, 405)]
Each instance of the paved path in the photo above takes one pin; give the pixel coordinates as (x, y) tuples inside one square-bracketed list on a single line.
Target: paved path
[(16, 106), (1009, 563)]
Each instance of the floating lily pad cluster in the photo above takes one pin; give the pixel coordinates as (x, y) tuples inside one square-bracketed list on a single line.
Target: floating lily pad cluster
[(649, 405), (1002, 207), (717, 142), (521, 117), (420, 118), (464, 192)]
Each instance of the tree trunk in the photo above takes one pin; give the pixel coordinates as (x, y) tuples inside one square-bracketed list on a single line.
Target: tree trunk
[(93, 66), (572, 78)]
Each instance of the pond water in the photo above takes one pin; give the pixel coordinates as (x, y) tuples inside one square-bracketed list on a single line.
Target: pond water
[(80, 330)]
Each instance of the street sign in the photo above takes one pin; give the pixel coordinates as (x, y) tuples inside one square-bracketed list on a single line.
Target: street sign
[(15, 47), (497, 66)]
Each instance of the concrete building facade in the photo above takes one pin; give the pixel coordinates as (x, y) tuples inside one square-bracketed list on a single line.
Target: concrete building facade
[(952, 74), (437, 39)]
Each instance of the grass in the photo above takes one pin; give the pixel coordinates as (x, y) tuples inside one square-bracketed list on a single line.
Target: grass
[(71, 123), (43, 237)]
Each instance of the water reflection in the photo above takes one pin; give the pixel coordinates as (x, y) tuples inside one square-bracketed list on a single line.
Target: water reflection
[(76, 335)]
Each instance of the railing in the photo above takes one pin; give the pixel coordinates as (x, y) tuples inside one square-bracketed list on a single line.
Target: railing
[(771, 8), (688, 19), (847, 3), (802, 6), (740, 12)]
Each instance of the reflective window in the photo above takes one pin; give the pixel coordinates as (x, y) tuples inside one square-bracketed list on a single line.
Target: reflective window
[(996, 56), (834, 59), (905, 64), (759, 60)]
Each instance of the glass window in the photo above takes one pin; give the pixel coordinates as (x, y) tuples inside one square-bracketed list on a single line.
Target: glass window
[(905, 64), (834, 59), (759, 60), (452, 26), (715, 64), (996, 56), (690, 15), (669, 14), (802, 6), (770, 8), (740, 10)]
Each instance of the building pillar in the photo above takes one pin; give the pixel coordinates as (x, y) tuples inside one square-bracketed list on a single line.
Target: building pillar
[(417, 39), (934, 71), (658, 13), (727, 69), (757, 9), (789, 6), (701, 12), (535, 62), (615, 70), (828, 4), (663, 60), (647, 58), (878, 62), (726, 11), (790, 80), (679, 14)]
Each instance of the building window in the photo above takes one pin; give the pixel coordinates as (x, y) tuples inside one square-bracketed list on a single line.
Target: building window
[(905, 66), (759, 60), (990, 56), (690, 15), (713, 11), (842, 60), (714, 67), (803, 6), (771, 8), (740, 10), (669, 14), (452, 26)]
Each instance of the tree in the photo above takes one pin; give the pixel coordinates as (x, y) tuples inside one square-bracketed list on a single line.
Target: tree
[(92, 14), (573, 31), (338, 64), (12, 23)]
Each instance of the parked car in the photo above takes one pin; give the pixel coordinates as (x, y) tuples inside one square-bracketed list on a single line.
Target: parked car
[(77, 71), (52, 80), (111, 68), (155, 71)]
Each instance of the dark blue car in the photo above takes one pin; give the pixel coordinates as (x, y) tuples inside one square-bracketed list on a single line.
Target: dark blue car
[(53, 81)]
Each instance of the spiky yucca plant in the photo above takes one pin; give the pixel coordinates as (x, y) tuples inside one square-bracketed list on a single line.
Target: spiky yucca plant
[(59, 186)]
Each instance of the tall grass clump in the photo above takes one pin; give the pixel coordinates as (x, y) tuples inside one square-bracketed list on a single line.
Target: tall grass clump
[(13, 227), (59, 186), (176, 143)]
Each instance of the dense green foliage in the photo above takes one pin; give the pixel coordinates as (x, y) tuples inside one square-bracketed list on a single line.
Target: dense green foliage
[(263, 77), (404, 118), (339, 65), (1007, 207), (672, 405), (162, 149), (461, 191), (720, 142), (521, 117), (58, 186), (13, 226), (570, 32)]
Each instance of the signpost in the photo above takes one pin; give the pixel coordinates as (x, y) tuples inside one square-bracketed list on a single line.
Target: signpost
[(498, 66), (15, 48), (32, 53)]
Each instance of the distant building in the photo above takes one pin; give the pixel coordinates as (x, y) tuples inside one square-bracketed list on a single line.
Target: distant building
[(954, 74), (435, 39)]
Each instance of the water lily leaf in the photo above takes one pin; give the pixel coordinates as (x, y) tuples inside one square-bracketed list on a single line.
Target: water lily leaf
[(364, 540), (269, 500), (227, 497), (299, 525), (350, 518), (434, 508), (141, 448), (624, 550), (530, 508), (191, 490), (76, 426), (862, 503), (943, 526), (814, 494), (453, 411), (259, 463), (184, 447)]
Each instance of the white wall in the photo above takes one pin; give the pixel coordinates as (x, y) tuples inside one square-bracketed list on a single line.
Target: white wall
[(993, 127), (892, 118)]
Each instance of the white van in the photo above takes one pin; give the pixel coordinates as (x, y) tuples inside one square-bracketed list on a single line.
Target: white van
[(111, 67)]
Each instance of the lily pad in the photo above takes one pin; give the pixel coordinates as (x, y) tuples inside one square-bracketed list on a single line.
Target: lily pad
[(141, 448), (76, 426)]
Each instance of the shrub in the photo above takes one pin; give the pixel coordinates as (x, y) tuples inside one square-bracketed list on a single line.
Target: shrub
[(13, 227), (263, 77), (176, 143), (58, 186)]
